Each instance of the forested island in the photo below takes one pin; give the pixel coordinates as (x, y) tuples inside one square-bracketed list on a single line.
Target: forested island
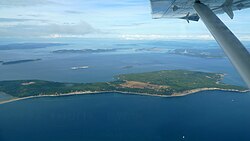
[(158, 83)]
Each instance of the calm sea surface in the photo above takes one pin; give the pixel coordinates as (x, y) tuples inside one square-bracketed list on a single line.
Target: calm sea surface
[(205, 116)]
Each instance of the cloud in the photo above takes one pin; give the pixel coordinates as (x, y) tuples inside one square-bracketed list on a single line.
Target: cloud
[(24, 2), (73, 12), (126, 17), (21, 30), (164, 37), (208, 36), (129, 25), (30, 15), (20, 20), (244, 37)]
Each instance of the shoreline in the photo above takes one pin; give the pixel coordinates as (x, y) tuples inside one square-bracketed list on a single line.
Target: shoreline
[(185, 93)]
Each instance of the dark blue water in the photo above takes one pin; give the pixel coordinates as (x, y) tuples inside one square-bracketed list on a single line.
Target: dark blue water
[(206, 116)]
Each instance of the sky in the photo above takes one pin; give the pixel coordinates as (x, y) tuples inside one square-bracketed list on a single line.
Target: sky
[(125, 19)]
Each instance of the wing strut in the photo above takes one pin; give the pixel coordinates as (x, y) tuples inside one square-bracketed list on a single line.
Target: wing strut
[(233, 48)]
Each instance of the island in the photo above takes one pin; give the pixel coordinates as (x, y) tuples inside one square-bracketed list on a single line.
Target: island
[(89, 51), (84, 50), (201, 53), (166, 83), (20, 61), (151, 49), (29, 45)]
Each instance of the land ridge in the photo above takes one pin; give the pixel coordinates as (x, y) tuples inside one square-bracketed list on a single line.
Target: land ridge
[(166, 83)]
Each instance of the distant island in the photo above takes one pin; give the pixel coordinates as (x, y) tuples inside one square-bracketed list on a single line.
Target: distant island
[(29, 45), (86, 50), (164, 83), (20, 61), (152, 49), (202, 53)]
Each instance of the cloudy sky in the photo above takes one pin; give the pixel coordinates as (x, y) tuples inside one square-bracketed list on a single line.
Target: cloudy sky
[(101, 19)]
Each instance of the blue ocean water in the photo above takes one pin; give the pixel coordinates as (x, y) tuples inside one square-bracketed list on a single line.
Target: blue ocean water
[(206, 116)]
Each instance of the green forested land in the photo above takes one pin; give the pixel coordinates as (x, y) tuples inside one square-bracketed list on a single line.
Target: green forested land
[(175, 80), (180, 80), (15, 88)]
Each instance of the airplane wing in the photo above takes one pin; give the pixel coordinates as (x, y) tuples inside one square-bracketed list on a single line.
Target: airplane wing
[(207, 10), (183, 9)]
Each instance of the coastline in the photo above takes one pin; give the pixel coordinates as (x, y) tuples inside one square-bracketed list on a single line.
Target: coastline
[(185, 93)]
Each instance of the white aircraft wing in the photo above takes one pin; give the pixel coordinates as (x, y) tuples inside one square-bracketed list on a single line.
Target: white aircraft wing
[(183, 9)]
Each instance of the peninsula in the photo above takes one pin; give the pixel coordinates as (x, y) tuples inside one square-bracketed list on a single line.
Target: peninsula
[(164, 83)]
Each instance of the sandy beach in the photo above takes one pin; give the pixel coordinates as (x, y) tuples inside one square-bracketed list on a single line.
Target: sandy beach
[(185, 93)]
